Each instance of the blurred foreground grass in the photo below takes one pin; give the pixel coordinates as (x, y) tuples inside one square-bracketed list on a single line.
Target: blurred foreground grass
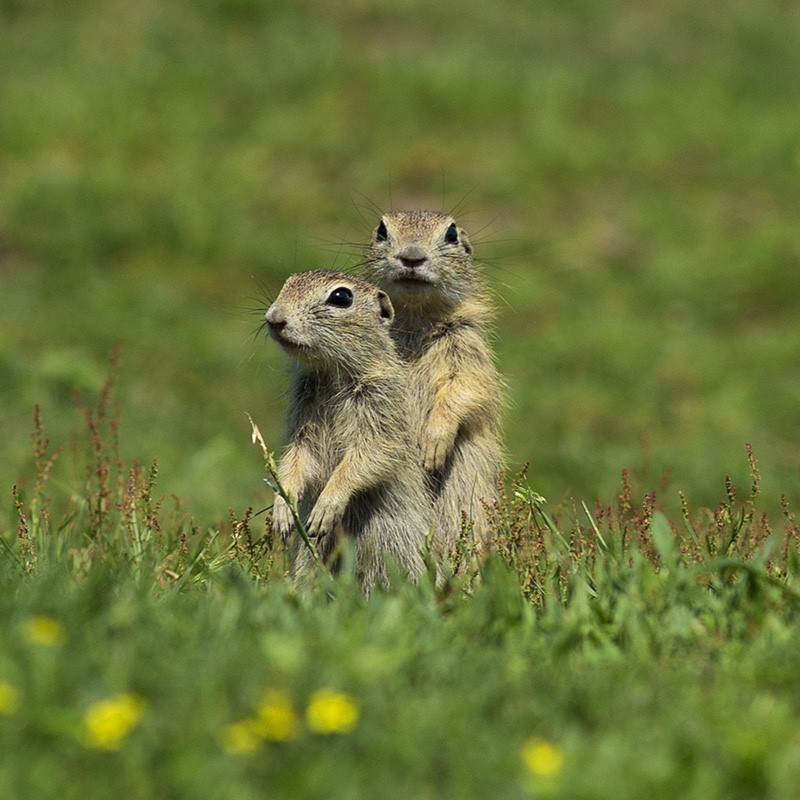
[(604, 653), (629, 171)]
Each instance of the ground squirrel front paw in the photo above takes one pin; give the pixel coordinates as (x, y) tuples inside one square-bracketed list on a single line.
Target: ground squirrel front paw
[(436, 447), (324, 516), (282, 517)]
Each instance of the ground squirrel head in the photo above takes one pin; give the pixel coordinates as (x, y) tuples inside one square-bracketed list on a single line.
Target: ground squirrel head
[(421, 258), (329, 319)]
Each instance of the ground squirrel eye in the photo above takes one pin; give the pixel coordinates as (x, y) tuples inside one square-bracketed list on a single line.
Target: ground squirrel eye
[(451, 237), (382, 234), (341, 298)]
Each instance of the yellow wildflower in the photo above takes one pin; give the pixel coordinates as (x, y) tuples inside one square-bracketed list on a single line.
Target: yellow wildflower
[(542, 758), (276, 719), (44, 631), (9, 698), (332, 712), (108, 722), (239, 737)]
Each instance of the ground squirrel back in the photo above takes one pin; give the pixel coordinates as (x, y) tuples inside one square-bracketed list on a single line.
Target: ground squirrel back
[(350, 463), (423, 260)]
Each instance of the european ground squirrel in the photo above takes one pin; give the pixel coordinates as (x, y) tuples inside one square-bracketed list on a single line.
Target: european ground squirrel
[(350, 464), (423, 260)]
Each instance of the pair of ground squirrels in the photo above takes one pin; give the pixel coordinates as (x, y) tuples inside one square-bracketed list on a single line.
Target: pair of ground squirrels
[(393, 418)]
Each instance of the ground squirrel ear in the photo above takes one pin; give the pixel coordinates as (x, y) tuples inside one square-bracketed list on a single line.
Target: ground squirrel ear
[(387, 311)]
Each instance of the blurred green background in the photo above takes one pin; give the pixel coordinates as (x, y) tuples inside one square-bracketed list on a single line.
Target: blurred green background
[(628, 171)]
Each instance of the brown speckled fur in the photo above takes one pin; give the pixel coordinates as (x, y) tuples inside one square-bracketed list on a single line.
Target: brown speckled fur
[(350, 463), (442, 323)]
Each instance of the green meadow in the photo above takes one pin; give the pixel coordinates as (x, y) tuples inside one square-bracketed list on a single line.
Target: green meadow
[(628, 173)]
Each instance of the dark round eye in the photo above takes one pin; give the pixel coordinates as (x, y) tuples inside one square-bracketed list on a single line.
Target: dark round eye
[(451, 236), (382, 234), (341, 298)]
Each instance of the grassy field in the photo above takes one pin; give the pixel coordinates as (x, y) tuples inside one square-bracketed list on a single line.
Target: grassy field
[(603, 654), (628, 173)]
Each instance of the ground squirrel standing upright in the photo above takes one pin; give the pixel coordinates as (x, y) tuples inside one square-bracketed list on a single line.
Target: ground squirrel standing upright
[(443, 315), (350, 464)]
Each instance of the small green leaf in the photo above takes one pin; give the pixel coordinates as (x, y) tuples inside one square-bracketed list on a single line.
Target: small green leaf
[(664, 539)]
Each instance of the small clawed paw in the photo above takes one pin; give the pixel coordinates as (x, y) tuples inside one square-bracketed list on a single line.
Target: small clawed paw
[(323, 518), (282, 518), (435, 452)]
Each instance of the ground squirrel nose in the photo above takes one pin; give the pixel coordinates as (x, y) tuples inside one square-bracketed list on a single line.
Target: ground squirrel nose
[(413, 256), (275, 321), (412, 263)]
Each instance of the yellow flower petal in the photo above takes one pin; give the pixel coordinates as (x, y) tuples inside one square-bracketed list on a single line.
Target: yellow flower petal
[(108, 722), (332, 712), (44, 631), (542, 758), (276, 718)]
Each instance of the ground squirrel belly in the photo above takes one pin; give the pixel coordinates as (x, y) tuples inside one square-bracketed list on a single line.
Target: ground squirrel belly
[(423, 260), (350, 463)]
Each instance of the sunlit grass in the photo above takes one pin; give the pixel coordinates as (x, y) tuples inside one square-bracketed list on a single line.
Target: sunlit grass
[(626, 172), (604, 651)]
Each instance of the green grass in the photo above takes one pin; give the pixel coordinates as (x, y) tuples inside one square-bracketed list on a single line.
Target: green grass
[(653, 658), (628, 173)]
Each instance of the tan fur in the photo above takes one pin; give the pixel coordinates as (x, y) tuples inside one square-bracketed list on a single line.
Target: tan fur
[(350, 463), (442, 322)]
